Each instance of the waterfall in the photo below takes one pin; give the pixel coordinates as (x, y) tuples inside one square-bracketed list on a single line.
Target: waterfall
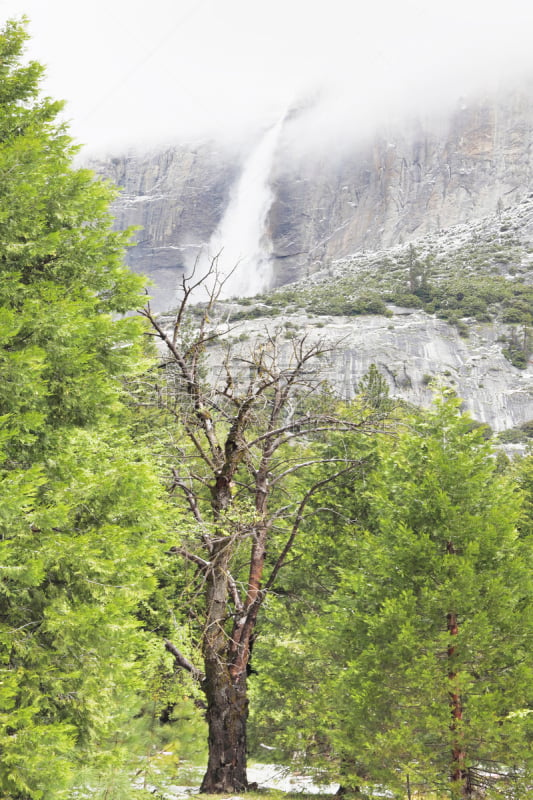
[(240, 237)]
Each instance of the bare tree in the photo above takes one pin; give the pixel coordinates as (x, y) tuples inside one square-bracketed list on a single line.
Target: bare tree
[(241, 432)]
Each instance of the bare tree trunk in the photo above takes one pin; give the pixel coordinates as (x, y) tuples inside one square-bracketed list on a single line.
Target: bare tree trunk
[(227, 714), (233, 434), (226, 694)]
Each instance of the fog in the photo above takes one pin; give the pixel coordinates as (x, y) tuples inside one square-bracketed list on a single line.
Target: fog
[(141, 74)]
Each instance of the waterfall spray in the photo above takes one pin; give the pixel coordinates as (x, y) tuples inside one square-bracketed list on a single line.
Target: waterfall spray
[(240, 240)]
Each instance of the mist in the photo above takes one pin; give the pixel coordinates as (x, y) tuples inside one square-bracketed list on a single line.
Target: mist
[(238, 244), (138, 75)]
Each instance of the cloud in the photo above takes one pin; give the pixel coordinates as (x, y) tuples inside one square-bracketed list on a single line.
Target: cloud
[(138, 73)]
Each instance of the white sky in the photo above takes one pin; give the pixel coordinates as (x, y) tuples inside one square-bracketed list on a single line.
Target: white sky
[(151, 71)]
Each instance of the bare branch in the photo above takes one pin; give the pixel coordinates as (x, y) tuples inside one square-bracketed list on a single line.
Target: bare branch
[(297, 521), (184, 663), (191, 496), (235, 596), (316, 423), (198, 560), (302, 464), (192, 385)]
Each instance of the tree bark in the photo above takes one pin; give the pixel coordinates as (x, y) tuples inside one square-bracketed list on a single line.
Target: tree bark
[(227, 715), (459, 773), (226, 694)]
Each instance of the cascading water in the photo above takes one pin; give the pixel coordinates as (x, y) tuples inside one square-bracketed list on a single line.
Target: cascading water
[(239, 241)]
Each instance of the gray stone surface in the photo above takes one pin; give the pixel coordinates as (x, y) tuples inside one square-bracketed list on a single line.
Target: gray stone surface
[(411, 349), (445, 187), (175, 198), (403, 183), (396, 186)]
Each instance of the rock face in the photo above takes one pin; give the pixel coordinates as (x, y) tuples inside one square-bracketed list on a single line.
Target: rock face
[(176, 198), (413, 351), (401, 185), (330, 203)]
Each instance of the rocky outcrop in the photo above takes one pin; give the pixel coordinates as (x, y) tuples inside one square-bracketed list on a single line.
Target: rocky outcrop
[(174, 198), (412, 350)]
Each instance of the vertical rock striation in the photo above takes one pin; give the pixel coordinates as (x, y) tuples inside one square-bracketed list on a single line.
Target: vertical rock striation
[(330, 203), (175, 198), (401, 185)]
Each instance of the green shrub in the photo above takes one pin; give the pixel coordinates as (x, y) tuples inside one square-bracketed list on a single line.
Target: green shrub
[(527, 428), (512, 436), (516, 356), (406, 299)]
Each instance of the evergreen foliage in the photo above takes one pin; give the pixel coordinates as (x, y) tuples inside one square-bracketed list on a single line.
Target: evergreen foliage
[(79, 502), (443, 543), (387, 688)]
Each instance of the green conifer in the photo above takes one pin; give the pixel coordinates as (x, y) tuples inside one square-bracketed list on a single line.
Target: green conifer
[(79, 504)]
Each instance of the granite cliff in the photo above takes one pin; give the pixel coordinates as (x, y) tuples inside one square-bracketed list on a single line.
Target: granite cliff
[(361, 227), (402, 184), (414, 352), (175, 199), (453, 307), (327, 204)]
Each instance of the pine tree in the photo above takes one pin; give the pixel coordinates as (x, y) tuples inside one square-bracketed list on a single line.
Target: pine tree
[(408, 656), (431, 626), (79, 503)]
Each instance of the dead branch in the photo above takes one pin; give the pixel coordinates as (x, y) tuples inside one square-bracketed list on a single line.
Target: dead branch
[(195, 559), (191, 496), (235, 596), (310, 463), (202, 415), (298, 519), (184, 663)]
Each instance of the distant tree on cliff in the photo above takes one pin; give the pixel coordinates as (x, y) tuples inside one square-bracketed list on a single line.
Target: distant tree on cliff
[(78, 503)]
